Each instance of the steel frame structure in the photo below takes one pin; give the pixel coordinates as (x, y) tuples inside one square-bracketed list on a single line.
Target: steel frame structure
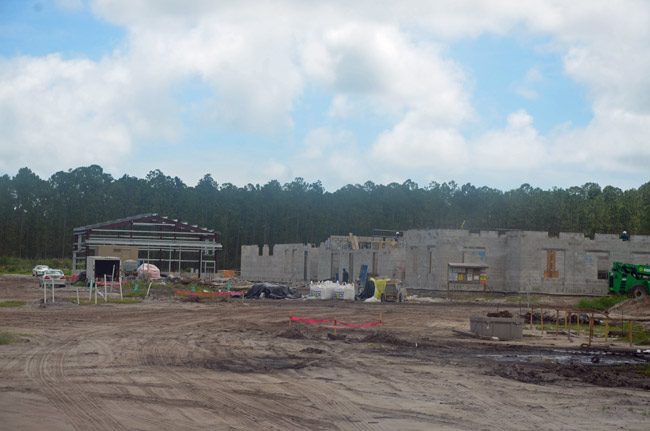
[(172, 245)]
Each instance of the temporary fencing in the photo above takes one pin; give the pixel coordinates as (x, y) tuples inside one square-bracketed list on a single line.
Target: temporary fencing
[(571, 321)]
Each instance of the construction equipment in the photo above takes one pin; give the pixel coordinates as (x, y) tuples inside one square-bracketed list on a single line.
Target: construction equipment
[(394, 292), (629, 279), (384, 290)]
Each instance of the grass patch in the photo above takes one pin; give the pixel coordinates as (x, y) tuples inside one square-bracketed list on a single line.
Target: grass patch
[(7, 304), (100, 301), (523, 299), (124, 301), (7, 338), (16, 265), (601, 303)]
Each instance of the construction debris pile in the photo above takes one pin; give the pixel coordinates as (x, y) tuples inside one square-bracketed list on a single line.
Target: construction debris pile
[(272, 291)]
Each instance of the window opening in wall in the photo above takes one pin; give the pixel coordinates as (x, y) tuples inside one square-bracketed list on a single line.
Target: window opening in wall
[(414, 259), (336, 265), (551, 268), (285, 262), (602, 274), (351, 266), (430, 250), (374, 262), (304, 266)]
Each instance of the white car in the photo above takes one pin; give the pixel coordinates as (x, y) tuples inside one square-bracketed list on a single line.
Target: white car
[(39, 270), (53, 276)]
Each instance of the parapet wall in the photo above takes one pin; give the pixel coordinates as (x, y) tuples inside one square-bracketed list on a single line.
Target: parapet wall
[(508, 261)]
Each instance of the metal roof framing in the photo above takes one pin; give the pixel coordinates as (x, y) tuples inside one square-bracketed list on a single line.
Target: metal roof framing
[(151, 233)]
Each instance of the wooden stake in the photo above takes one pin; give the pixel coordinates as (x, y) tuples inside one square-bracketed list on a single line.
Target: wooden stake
[(149, 288), (121, 296), (629, 331), (105, 295), (112, 278), (78, 295), (578, 319), (44, 292), (557, 321), (591, 327), (52, 290), (95, 292)]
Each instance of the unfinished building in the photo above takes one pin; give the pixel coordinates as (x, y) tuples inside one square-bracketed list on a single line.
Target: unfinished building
[(457, 260), (174, 246)]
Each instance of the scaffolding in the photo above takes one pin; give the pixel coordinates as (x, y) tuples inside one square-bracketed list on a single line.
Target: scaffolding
[(173, 246)]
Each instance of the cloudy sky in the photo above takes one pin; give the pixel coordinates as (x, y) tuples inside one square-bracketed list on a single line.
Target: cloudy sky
[(497, 93)]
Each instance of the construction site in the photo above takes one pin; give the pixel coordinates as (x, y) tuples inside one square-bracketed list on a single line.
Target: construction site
[(440, 261), (418, 330), (207, 355)]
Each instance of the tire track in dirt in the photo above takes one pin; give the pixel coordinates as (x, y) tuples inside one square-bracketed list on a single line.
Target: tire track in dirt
[(46, 366), (151, 355), (320, 394), (217, 396)]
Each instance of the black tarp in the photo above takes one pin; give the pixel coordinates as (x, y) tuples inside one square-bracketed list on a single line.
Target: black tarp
[(368, 290), (273, 291)]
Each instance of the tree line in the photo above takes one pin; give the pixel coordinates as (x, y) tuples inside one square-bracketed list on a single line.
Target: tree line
[(37, 215)]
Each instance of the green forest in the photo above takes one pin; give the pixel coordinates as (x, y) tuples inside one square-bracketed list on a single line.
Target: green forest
[(37, 215)]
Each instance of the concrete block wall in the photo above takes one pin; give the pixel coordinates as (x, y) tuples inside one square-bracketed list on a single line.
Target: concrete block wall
[(516, 261), (578, 261), (283, 263), (430, 251), (384, 262)]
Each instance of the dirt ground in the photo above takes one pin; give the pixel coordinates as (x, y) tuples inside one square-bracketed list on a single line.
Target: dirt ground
[(168, 365)]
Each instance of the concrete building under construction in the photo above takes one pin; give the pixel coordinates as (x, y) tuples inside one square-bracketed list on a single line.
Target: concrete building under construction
[(172, 245), (443, 260)]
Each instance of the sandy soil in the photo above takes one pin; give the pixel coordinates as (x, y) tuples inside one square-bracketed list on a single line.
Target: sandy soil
[(164, 364)]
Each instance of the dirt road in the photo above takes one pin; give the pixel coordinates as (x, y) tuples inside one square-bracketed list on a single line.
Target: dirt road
[(238, 365)]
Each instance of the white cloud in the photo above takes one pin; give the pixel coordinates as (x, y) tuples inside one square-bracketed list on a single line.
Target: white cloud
[(276, 170), (516, 148), (382, 61), (55, 111), (334, 157), (414, 143)]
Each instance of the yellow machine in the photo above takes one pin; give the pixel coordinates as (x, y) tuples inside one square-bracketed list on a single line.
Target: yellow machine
[(388, 290)]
